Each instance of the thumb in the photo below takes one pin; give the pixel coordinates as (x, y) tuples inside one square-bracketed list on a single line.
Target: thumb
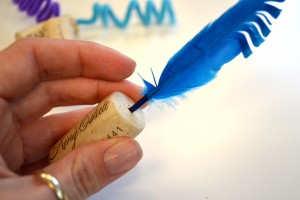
[(91, 167)]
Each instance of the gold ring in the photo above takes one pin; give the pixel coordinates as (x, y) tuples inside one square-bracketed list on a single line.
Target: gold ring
[(53, 183)]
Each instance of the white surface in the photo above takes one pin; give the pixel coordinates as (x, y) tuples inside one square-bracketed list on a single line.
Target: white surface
[(237, 138)]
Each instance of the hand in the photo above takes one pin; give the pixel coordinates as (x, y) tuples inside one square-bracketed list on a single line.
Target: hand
[(37, 75)]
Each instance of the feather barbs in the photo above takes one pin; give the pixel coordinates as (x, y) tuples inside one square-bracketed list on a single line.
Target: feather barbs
[(199, 60)]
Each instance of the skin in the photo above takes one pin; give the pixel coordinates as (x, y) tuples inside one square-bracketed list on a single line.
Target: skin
[(37, 75)]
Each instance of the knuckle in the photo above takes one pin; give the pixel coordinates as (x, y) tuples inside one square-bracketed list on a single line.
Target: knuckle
[(85, 177)]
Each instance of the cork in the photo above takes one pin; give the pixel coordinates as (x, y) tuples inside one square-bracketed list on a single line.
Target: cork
[(63, 27), (110, 118)]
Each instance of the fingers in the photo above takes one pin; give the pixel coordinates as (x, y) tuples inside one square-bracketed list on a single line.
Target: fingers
[(89, 168), (68, 92), (9, 138), (81, 173), (28, 187), (38, 137), (31, 61)]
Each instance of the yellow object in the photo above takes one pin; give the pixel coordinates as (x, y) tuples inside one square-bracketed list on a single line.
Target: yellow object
[(110, 118), (54, 185), (63, 27)]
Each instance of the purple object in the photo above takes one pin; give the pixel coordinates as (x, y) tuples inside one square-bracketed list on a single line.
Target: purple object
[(41, 9)]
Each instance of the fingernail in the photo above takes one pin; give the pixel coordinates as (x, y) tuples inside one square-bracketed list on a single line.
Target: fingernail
[(122, 156)]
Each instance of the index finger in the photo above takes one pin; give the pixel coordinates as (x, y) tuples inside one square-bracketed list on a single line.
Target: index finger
[(30, 61)]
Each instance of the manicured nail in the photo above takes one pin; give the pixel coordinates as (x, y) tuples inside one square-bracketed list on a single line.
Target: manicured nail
[(122, 156)]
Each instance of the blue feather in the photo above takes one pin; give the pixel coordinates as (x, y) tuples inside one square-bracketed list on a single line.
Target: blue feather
[(199, 61)]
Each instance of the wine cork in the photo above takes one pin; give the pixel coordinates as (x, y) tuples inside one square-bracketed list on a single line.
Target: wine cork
[(35, 31), (110, 118), (63, 27)]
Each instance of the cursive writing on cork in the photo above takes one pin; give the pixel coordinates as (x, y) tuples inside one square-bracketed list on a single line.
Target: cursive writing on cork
[(72, 137)]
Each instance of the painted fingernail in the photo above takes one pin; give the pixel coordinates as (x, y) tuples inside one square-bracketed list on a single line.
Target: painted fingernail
[(122, 156)]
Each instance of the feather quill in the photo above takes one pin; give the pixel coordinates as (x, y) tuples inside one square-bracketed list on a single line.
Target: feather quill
[(199, 61)]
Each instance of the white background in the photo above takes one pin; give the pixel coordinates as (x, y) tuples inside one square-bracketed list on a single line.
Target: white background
[(237, 138)]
